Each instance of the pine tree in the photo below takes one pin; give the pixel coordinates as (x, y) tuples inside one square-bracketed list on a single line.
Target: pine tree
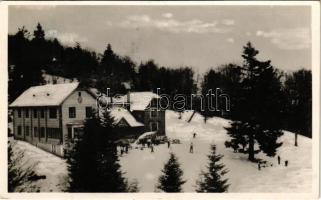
[(261, 105), (39, 33), (93, 163), (171, 179), (298, 89), (211, 181)]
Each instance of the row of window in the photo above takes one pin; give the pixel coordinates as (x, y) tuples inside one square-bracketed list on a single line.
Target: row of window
[(53, 112), (73, 113), (51, 132)]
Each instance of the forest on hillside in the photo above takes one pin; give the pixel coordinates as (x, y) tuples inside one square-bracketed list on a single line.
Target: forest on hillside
[(259, 92)]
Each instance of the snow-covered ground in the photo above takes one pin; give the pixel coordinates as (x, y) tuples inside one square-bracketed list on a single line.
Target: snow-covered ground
[(53, 167), (243, 176)]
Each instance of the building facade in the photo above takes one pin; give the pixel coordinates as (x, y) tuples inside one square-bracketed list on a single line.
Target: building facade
[(49, 116)]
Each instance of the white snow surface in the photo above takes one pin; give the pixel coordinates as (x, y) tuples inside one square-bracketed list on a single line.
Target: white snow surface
[(243, 176), (138, 100), (53, 167), (45, 95), (119, 113)]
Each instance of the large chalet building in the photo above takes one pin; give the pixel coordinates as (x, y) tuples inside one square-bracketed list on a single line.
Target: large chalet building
[(48, 116)]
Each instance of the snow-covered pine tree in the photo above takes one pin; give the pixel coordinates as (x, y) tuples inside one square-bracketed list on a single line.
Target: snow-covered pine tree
[(171, 180), (93, 163), (212, 180)]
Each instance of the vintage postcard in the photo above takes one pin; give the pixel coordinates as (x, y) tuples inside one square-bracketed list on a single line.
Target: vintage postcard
[(160, 100)]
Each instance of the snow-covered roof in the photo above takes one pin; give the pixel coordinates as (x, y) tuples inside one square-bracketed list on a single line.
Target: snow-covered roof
[(45, 95), (119, 113), (146, 134), (138, 100)]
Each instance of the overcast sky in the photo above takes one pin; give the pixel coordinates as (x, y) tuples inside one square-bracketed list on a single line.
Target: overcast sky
[(198, 36)]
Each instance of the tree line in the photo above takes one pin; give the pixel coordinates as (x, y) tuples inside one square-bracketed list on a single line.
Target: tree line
[(29, 54), (289, 95)]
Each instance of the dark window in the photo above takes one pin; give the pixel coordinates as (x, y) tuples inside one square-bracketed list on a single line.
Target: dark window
[(153, 126), (27, 113), (69, 133), (52, 113), (19, 112), (27, 130), (19, 130), (35, 113), (53, 133), (153, 113), (72, 112), (42, 113), (88, 112), (35, 131), (42, 132)]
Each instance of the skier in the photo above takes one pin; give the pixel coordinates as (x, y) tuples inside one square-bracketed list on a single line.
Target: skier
[(148, 142), (259, 166), (194, 135), (152, 148), (286, 163), (126, 148), (168, 144), (191, 148), (279, 160)]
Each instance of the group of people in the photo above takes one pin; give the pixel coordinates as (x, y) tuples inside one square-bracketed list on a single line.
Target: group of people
[(286, 163), (149, 144), (124, 149)]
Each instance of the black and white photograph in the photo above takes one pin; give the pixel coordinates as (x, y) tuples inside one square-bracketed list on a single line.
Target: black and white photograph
[(156, 97)]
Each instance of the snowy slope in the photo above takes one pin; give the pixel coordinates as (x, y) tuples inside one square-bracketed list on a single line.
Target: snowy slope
[(53, 167), (145, 166), (243, 176)]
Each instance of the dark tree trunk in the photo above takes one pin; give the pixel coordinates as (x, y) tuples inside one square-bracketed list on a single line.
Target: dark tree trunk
[(251, 147)]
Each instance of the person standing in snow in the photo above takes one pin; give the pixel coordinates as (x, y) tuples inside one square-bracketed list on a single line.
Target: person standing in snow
[(279, 160), (286, 163), (152, 148), (194, 135), (191, 148), (148, 142), (259, 166), (168, 144)]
